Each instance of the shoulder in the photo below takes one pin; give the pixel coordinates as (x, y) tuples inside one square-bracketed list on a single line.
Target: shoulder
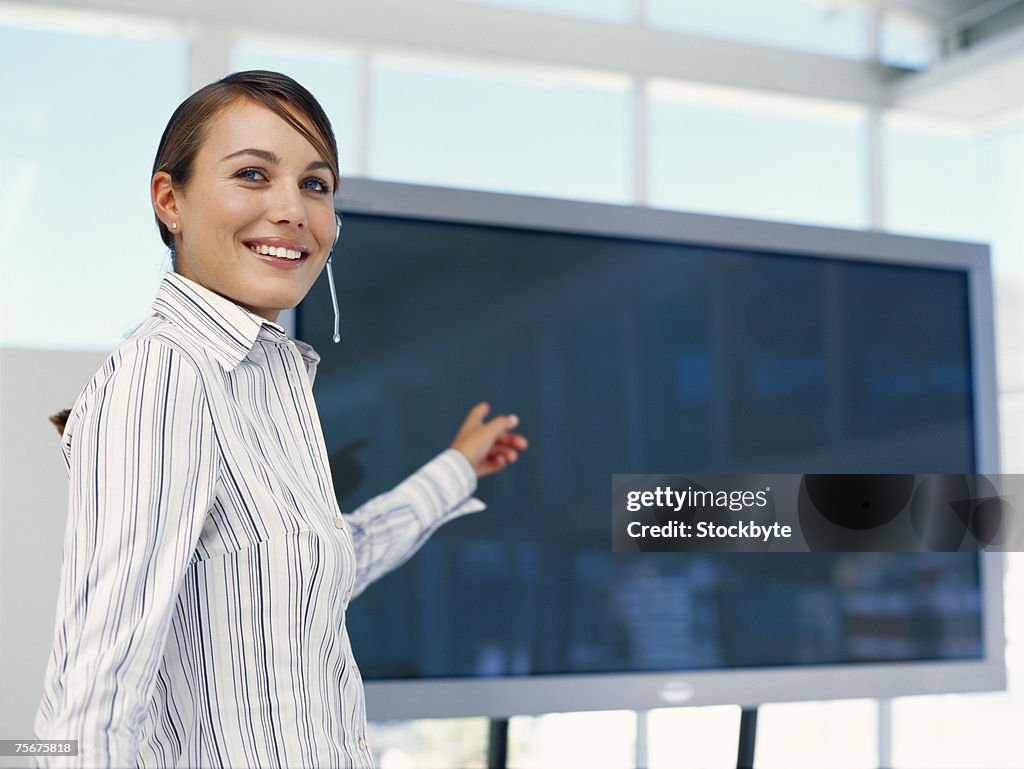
[(154, 352), (156, 343)]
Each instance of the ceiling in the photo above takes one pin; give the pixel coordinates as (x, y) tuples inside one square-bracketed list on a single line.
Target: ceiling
[(939, 12), (979, 74), (976, 76)]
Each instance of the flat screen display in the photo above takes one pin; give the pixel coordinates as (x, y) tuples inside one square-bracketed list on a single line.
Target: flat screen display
[(625, 355)]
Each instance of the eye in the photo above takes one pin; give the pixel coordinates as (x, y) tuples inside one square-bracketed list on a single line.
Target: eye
[(317, 185), (251, 175)]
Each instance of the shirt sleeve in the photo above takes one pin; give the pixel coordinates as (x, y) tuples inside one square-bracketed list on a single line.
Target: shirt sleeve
[(142, 468), (388, 529)]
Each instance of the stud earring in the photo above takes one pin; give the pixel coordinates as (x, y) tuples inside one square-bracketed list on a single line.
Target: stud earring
[(174, 225)]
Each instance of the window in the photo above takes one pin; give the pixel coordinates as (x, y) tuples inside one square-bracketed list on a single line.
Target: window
[(947, 180), (836, 29), (693, 738), (599, 740), (329, 74), (452, 742), (932, 178), (738, 153), (904, 43), (809, 735), (541, 132), (77, 141)]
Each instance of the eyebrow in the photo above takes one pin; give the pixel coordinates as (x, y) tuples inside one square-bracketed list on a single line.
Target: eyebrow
[(272, 158)]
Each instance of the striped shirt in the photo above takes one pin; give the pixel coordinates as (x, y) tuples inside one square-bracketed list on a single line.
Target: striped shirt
[(207, 566)]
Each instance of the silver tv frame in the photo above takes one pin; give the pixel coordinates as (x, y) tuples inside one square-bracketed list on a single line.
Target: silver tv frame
[(748, 687)]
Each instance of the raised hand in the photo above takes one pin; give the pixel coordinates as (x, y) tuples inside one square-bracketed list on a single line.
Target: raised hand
[(489, 446)]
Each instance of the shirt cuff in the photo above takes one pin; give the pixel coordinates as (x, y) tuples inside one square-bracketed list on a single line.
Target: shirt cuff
[(453, 476)]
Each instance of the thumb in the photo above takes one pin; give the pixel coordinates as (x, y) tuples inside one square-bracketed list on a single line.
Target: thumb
[(476, 415), (473, 419)]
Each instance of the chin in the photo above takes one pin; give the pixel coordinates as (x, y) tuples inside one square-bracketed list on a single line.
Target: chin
[(283, 305), (264, 305)]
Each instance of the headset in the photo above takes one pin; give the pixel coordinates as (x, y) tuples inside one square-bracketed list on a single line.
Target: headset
[(330, 276)]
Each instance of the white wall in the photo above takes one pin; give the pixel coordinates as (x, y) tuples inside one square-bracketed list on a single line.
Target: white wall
[(33, 511)]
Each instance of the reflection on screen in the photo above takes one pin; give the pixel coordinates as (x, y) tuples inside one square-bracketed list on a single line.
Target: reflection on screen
[(626, 356)]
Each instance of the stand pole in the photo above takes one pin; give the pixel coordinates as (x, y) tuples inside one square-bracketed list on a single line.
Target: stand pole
[(748, 736), (641, 739), (497, 743)]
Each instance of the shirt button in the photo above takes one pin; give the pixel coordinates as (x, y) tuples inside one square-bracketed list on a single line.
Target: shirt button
[(339, 522), (348, 596), (362, 744)]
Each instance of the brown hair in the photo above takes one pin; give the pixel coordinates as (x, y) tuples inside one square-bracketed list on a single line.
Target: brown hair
[(60, 419), (186, 130)]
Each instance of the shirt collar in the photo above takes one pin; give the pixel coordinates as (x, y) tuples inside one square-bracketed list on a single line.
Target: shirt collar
[(228, 330)]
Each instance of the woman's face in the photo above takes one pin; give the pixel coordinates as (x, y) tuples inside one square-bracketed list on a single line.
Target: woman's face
[(257, 186)]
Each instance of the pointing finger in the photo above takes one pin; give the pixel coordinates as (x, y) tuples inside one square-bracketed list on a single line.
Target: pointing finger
[(502, 424)]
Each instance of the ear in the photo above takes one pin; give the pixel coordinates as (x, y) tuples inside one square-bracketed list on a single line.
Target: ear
[(165, 199)]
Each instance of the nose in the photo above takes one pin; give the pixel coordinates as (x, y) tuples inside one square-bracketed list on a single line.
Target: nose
[(287, 206)]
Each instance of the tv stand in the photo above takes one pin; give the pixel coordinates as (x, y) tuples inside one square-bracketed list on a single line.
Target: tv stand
[(497, 743), (748, 735)]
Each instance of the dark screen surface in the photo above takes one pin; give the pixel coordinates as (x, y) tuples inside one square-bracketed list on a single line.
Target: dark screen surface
[(630, 356)]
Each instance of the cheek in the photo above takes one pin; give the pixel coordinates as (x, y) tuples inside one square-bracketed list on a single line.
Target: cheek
[(237, 210), (225, 211), (324, 230)]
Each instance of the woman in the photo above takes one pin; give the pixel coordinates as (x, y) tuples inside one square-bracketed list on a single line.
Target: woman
[(207, 566)]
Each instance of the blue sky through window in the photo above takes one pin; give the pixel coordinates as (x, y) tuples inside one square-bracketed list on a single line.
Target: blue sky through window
[(77, 141)]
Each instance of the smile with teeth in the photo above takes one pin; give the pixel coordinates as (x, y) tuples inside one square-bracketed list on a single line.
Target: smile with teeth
[(280, 252)]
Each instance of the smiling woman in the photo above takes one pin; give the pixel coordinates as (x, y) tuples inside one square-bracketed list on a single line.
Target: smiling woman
[(240, 172), (207, 567), (255, 222)]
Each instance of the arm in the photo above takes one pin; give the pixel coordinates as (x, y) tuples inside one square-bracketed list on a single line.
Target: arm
[(142, 475), (388, 529)]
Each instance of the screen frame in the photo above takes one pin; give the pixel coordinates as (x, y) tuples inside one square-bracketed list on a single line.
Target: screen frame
[(507, 696)]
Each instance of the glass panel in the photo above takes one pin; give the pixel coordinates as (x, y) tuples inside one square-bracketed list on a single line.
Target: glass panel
[(329, 74), (933, 177), (540, 132), (693, 738), (905, 44), (745, 154), (953, 731), (1002, 196), (607, 10), (811, 735), (77, 141), (948, 180), (1011, 428), (460, 742), (829, 28), (943, 180), (600, 740)]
